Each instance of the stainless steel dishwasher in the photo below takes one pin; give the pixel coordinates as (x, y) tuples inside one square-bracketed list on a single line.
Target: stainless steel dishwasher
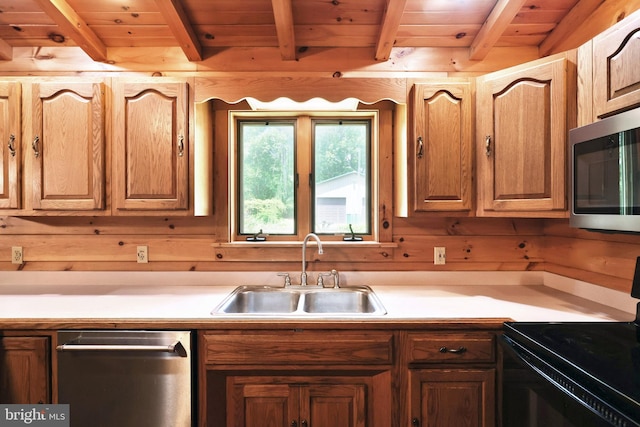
[(122, 378)]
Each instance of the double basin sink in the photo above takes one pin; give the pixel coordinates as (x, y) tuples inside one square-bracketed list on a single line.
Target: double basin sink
[(301, 301)]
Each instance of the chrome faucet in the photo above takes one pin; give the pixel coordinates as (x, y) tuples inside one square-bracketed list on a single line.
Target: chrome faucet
[(334, 274), (303, 277)]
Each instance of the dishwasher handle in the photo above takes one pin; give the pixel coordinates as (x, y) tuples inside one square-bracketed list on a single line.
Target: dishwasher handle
[(176, 347)]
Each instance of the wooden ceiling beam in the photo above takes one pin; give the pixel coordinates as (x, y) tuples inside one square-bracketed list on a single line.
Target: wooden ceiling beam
[(283, 15), (181, 27), (389, 28), (500, 17), (76, 28), (587, 19), (572, 20), (6, 51)]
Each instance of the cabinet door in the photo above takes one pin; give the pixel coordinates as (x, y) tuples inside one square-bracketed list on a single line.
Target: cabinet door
[(442, 156), (10, 142), (66, 156), (278, 401), (151, 149), (333, 405), (24, 370), (452, 398), (616, 74), (262, 404), (522, 133)]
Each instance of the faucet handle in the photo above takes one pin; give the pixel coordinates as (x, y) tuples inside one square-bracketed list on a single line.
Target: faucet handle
[(287, 279), (336, 278), (321, 280)]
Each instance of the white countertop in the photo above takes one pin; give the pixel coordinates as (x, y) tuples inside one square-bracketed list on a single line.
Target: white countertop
[(132, 296)]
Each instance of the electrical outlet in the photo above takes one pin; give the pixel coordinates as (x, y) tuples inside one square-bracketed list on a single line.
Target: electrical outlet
[(16, 255), (143, 254), (439, 255)]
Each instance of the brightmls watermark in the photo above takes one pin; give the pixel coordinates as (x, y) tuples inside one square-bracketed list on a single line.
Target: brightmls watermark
[(34, 415)]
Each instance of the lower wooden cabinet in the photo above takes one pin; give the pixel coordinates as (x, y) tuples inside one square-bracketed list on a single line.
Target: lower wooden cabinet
[(296, 378), (452, 378), (452, 397), (24, 370), (348, 378), (291, 401)]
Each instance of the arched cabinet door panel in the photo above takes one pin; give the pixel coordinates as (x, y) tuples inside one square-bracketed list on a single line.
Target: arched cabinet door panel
[(521, 134), (441, 150), (616, 75), (151, 147), (65, 149), (10, 145)]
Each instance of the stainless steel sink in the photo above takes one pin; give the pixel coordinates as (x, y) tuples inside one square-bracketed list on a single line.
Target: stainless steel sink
[(259, 300), (343, 300), (300, 301)]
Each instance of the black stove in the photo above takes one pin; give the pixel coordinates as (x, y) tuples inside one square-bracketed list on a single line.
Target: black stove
[(598, 363), (594, 365)]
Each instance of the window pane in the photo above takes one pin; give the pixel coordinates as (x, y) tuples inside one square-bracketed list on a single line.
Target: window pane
[(266, 177), (342, 177)]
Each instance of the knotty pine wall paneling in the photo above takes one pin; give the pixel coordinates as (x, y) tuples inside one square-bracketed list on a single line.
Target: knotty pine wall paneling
[(601, 258), (183, 244)]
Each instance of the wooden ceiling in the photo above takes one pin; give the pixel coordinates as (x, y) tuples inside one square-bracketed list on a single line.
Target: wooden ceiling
[(203, 27)]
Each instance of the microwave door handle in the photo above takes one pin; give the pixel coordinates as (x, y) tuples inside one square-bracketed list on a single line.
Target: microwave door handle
[(176, 347)]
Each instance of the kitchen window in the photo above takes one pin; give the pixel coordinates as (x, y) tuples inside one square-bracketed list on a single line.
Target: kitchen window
[(295, 174)]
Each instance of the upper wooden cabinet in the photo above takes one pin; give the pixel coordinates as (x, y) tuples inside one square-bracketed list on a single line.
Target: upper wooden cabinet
[(522, 127), (53, 148), (66, 157), (616, 70), (441, 156), (150, 147), (10, 145)]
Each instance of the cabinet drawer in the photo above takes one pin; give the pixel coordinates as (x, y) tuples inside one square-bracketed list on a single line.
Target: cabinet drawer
[(438, 348), (297, 347)]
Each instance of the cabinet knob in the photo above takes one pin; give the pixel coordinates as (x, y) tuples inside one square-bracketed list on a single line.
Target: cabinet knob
[(294, 423), (487, 144), (12, 145), (420, 149), (304, 423), (415, 422)]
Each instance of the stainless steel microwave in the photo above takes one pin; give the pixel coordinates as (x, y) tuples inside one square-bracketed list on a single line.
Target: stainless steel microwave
[(605, 174)]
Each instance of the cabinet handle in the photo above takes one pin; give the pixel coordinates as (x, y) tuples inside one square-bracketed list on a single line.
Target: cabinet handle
[(12, 145), (415, 422), (458, 350), (487, 144), (420, 149), (180, 145), (34, 145)]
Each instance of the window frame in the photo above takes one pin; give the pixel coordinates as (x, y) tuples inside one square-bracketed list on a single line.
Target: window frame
[(368, 121), (237, 214), (304, 161)]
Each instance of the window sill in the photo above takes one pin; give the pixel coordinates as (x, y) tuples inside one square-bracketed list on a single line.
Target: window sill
[(325, 244)]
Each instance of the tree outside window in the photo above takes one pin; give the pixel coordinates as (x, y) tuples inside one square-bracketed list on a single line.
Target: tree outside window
[(270, 162)]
